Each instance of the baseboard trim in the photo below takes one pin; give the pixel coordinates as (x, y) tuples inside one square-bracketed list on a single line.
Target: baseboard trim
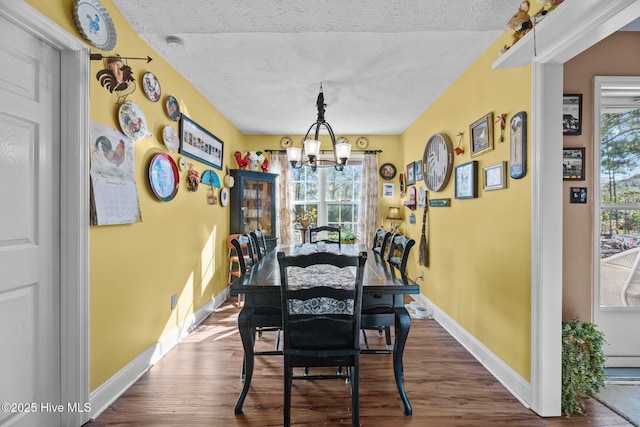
[(110, 390), (510, 379)]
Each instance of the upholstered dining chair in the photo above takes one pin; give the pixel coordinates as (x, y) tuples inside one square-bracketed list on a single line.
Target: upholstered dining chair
[(381, 240), (399, 249), (321, 320), (325, 233), (260, 242)]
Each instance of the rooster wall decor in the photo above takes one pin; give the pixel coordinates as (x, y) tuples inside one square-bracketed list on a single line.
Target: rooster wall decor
[(117, 75)]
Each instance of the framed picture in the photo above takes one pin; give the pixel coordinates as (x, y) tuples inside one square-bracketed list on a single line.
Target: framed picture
[(411, 177), (200, 144), (578, 195), (388, 190), (481, 134), (467, 180), (387, 171), (572, 114), (495, 176), (417, 166), (573, 164)]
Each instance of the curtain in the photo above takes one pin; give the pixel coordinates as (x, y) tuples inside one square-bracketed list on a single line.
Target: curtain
[(280, 165), (369, 200)]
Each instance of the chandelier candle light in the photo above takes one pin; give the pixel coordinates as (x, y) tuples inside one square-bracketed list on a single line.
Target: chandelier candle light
[(311, 147)]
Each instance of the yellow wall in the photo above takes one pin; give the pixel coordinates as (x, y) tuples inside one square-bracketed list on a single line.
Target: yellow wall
[(480, 268), (179, 247)]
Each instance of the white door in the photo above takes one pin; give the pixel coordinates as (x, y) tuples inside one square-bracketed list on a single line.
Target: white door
[(29, 230), (617, 160)]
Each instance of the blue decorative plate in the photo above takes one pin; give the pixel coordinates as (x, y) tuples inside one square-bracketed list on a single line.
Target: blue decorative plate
[(95, 24), (163, 177)]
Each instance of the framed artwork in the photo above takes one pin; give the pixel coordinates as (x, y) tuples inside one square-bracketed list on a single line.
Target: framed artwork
[(388, 190), (518, 142), (495, 176), (387, 171), (481, 134), (572, 114), (411, 177), (417, 166), (200, 144), (573, 164), (578, 195), (467, 180)]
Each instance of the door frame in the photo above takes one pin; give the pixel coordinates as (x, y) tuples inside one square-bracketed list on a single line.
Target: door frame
[(74, 201)]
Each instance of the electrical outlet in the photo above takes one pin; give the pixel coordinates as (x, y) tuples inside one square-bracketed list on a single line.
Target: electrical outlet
[(174, 301)]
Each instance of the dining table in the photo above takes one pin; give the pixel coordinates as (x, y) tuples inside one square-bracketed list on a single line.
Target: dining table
[(384, 288)]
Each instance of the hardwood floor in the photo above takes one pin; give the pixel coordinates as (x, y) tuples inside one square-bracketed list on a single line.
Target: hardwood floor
[(197, 384)]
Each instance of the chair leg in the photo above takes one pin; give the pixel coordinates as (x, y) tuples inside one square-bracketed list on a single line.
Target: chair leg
[(366, 343), (387, 333), (287, 394), (355, 393)]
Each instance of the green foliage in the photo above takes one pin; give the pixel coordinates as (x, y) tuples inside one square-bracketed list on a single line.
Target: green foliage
[(348, 236), (582, 364)]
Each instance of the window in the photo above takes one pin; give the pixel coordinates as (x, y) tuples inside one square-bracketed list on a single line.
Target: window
[(335, 195)]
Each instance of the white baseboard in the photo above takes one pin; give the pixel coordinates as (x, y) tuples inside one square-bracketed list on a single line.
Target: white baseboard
[(113, 388), (510, 379)]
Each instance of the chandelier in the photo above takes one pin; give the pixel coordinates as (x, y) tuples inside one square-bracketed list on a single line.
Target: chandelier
[(311, 147)]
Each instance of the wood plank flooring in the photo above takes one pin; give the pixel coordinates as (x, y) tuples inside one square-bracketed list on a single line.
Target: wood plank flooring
[(198, 382)]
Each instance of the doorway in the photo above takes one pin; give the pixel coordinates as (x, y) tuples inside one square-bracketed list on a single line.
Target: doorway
[(72, 191), (617, 216)]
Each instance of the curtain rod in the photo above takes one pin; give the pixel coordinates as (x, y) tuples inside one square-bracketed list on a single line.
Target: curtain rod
[(329, 151)]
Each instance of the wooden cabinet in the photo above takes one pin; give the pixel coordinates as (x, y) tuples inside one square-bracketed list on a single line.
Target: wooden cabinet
[(253, 204)]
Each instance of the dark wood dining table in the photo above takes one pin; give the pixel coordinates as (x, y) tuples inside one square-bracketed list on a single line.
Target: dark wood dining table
[(383, 306)]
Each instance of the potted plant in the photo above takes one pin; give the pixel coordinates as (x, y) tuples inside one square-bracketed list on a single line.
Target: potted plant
[(348, 236), (583, 359)]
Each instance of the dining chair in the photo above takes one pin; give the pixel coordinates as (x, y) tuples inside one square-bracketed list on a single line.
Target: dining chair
[(332, 234), (399, 249), (381, 242), (260, 242), (235, 269), (321, 321)]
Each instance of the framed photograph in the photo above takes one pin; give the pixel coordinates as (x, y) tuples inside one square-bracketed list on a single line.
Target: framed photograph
[(572, 114), (495, 176), (578, 195), (411, 177), (573, 164), (467, 180), (417, 166), (388, 190), (481, 134), (199, 144)]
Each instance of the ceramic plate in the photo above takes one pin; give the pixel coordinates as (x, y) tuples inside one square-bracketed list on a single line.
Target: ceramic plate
[(170, 138), (132, 121), (173, 108), (151, 86), (163, 177), (95, 24), (224, 196)]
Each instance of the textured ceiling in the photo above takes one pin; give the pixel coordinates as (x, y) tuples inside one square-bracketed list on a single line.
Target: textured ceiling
[(260, 63)]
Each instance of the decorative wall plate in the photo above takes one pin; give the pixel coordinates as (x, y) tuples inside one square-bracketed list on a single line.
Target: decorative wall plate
[(173, 108), (163, 177), (387, 171), (151, 86), (95, 24), (132, 121), (170, 138), (285, 142), (224, 196)]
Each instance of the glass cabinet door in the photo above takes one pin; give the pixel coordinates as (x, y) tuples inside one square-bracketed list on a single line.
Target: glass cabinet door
[(257, 206)]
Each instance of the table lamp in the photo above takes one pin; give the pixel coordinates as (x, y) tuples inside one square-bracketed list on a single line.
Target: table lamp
[(394, 215)]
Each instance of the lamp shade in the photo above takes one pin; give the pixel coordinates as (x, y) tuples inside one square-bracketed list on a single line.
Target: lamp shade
[(394, 213), (294, 154), (343, 150), (312, 147)]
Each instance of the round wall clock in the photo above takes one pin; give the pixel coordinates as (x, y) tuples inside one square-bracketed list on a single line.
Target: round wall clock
[(387, 171), (362, 143), (285, 142), (438, 161)]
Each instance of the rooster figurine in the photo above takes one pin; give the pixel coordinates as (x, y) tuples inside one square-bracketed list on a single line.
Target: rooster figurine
[(242, 161)]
